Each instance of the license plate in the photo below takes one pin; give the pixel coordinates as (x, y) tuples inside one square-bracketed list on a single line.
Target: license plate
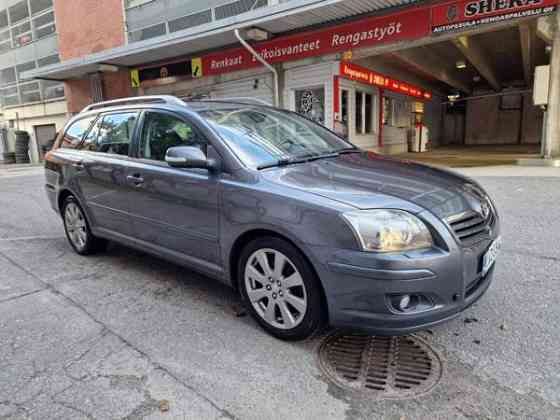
[(490, 256)]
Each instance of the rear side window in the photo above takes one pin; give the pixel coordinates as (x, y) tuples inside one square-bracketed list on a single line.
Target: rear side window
[(75, 133), (114, 133)]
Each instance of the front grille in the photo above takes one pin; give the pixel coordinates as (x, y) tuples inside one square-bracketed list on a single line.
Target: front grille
[(471, 227)]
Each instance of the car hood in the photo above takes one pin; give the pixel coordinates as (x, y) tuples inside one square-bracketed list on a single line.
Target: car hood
[(368, 180)]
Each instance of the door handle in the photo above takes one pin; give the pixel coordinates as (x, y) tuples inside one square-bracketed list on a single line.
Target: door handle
[(135, 179), (78, 165)]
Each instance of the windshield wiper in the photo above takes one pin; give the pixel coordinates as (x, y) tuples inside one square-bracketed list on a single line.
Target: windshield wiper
[(348, 151), (284, 162)]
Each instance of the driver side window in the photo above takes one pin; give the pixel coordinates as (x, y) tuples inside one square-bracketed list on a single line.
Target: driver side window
[(162, 131)]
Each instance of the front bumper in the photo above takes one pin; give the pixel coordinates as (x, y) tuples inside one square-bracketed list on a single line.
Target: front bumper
[(358, 285)]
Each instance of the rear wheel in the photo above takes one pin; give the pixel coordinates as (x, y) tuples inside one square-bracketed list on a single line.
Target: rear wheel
[(280, 289), (77, 229)]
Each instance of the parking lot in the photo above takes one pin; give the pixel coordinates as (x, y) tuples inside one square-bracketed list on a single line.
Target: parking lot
[(125, 335)]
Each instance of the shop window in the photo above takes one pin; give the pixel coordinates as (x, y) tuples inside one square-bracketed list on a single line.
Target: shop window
[(311, 104), (364, 112), (18, 12), (387, 111), (368, 113), (359, 113), (3, 19), (40, 5)]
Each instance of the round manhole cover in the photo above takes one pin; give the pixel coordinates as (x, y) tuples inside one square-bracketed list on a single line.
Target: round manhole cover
[(383, 367)]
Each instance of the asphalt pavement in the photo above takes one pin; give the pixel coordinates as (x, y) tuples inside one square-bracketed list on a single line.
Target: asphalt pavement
[(126, 335)]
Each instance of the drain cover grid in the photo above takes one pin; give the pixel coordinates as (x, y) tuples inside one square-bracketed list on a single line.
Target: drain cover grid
[(382, 367)]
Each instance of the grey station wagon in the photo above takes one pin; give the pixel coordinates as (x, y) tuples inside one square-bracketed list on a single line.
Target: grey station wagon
[(308, 228)]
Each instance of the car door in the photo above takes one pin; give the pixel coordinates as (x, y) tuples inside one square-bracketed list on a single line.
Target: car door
[(174, 209), (103, 173)]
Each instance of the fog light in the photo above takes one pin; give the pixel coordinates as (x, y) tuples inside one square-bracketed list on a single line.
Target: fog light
[(404, 301), (410, 303)]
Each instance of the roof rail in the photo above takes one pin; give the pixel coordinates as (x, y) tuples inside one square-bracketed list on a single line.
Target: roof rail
[(137, 100), (237, 100)]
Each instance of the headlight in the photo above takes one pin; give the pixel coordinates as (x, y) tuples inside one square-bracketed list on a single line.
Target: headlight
[(388, 230)]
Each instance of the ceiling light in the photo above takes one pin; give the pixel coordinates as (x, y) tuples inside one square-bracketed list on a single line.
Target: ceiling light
[(461, 64), (108, 68), (256, 34), (453, 97)]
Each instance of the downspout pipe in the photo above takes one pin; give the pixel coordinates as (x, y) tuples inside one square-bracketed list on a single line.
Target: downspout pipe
[(264, 63)]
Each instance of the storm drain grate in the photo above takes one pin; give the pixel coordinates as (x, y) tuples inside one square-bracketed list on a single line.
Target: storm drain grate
[(383, 367)]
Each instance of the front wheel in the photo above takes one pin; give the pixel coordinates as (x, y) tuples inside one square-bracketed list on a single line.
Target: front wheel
[(280, 289)]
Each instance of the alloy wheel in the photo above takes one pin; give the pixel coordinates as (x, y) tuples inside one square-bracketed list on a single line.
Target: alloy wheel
[(275, 289), (75, 225)]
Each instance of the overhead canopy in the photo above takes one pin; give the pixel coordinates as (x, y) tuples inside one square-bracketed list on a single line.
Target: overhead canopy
[(280, 18)]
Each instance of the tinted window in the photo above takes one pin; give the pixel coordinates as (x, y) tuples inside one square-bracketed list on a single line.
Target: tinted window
[(75, 133), (162, 131), (115, 133)]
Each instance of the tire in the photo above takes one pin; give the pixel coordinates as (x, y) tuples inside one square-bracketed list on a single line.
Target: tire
[(77, 229), (297, 311)]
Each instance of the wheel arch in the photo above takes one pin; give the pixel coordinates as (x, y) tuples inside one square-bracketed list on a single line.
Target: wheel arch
[(250, 235)]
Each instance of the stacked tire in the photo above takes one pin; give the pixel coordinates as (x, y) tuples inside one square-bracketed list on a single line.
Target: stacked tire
[(22, 147), (8, 157)]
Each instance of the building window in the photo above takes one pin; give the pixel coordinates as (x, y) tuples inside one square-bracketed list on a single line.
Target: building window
[(5, 41), (21, 34), (40, 5), (20, 68), (52, 89), (47, 61), (18, 12), (43, 25), (311, 104), (237, 7), (9, 96), (3, 18), (147, 33), (190, 21), (7, 76), (30, 92)]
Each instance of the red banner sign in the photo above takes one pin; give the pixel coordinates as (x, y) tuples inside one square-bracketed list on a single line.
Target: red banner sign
[(467, 14), (365, 75), (368, 32)]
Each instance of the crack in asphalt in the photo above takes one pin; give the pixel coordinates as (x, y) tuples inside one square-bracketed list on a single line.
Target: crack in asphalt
[(156, 365), (32, 292), (530, 254)]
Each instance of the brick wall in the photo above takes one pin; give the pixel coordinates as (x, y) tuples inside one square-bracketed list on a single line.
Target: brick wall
[(88, 26), (85, 27)]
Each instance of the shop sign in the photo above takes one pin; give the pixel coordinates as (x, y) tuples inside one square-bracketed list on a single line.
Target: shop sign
[(364, 75), (369, 32), (468, 14), (165, 73)]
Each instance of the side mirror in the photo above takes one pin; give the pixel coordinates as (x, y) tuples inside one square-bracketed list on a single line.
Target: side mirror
[(189, 157)]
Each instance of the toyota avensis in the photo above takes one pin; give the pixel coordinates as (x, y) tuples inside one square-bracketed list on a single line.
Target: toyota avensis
[(305, 226)]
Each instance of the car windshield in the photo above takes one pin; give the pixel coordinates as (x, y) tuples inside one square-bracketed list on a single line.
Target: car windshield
[(264, 137)]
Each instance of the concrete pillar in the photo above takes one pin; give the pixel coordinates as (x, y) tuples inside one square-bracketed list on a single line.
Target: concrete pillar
[(552, 138)]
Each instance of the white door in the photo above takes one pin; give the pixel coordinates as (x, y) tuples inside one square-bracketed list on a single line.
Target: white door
[(359, 107)]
